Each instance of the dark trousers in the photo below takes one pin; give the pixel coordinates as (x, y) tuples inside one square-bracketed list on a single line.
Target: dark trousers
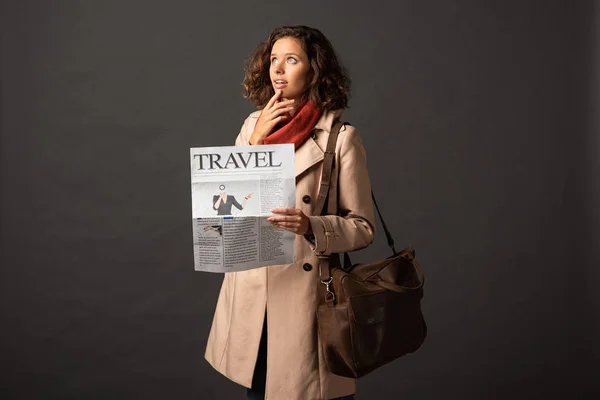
[(257, 392), (259, 380)]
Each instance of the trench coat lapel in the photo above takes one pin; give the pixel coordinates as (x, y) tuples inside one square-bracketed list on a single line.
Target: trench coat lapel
[(312, 151), (307, 155)]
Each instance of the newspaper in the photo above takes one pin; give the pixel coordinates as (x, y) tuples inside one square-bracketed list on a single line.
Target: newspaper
[(234, 189)]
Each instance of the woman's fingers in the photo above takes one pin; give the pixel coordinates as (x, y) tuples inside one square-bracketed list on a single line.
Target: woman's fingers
[(274, 98), (270, 111), (297, 228), (277, 110), (283, 104), (288, 224), (286, 210), (281, 112), (285, 219), (291, 219), (274, 112)]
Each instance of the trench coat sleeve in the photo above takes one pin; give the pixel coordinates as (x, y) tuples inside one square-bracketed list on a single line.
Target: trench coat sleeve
[(354, 226)]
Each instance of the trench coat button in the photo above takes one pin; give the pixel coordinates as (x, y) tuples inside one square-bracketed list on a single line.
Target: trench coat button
[(306, 199), (307, 267)]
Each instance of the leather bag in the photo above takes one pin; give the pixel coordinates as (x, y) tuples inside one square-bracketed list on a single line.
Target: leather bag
[(369, 314)]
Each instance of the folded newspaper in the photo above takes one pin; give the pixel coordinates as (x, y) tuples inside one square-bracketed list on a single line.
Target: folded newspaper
[(234, 189)]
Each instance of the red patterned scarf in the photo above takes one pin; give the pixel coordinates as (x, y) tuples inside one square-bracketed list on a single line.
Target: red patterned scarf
[(296, 129)]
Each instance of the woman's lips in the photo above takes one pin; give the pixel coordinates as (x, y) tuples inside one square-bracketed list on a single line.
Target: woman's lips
[(280, 85)]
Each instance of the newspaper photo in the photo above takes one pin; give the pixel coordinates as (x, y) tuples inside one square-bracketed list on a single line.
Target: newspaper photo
[(234, 189)]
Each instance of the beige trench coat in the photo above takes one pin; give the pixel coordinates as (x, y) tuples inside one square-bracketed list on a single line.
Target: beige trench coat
[(296, 369)]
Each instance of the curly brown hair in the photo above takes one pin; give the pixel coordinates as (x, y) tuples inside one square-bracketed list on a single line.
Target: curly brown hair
[(329, 86)]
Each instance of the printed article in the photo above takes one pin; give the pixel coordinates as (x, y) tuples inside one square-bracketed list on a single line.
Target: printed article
[(234, 189)]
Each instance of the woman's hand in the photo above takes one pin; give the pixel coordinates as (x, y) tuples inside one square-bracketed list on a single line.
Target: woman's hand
[(271, 115), (292, 219)]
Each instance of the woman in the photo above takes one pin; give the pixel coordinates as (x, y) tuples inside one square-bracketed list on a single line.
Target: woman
[(222, 202), (264, 332)]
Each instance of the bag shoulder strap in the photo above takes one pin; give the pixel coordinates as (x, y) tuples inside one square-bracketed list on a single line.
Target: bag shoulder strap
[(322, 197), (328, 164), (388, 235)]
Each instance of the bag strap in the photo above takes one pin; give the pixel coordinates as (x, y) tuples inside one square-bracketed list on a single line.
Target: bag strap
[(322, 197), (328, 164), (388, 235)]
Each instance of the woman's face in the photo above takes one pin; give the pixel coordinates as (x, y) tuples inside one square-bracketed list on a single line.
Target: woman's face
[(289, 68)]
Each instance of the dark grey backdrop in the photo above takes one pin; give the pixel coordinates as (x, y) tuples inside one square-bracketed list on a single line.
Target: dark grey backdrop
[(481, 126)]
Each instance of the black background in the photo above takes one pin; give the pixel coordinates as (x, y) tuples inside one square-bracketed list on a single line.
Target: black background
[(480, 120)]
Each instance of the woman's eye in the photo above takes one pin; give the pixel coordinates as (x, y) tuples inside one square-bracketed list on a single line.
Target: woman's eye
[(290, 60)]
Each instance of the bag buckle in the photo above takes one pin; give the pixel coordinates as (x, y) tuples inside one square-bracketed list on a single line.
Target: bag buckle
[(329, 294)]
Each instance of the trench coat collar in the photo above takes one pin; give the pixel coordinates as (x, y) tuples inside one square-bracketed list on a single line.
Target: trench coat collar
[(312, 150)]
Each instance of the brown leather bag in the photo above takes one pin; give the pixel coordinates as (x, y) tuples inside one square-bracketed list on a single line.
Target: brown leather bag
[(370, 314)]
